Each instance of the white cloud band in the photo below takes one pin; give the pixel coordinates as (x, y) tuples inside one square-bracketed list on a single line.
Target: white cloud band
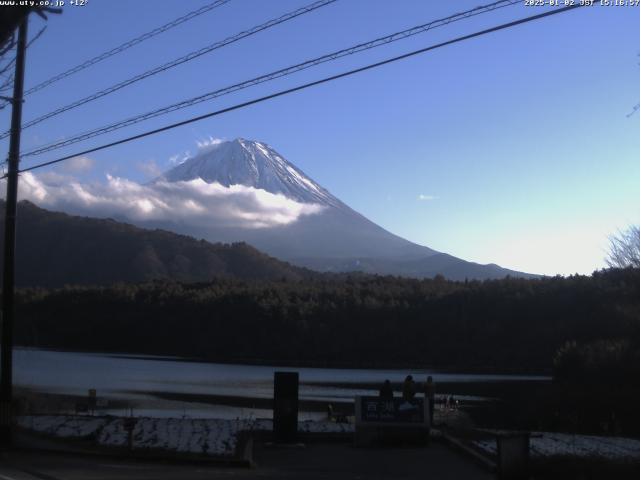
[(193, 202)]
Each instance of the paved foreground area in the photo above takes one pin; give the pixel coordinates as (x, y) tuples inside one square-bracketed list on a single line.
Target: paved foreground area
[(324, 461), (314, 461)]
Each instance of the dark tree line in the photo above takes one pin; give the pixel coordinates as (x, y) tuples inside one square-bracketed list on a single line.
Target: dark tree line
[(503, 325), (597, 385)]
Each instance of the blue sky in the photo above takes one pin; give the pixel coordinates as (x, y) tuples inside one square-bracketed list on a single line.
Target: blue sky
[(514, 148)]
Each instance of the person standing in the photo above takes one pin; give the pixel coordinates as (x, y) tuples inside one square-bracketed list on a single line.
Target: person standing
[(386, 391), (430, 394), (408, 388)]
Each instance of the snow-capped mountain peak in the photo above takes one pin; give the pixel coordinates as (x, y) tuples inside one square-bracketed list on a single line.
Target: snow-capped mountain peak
[(254, 164), (335, 238)]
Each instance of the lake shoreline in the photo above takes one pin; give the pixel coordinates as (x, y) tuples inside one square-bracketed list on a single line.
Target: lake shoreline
[(60, 381), (471, 370)]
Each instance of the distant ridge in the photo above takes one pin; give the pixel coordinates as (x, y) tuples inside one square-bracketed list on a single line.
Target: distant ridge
[(55, 249)]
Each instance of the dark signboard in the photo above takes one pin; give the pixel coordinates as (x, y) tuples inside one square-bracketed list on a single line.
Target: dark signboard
[(285, 406), (398, 410)]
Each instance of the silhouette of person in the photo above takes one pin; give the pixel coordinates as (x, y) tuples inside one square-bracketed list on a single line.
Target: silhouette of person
[(386, 391), (408, 388)]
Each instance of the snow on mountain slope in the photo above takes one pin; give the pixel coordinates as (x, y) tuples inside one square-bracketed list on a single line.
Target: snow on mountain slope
[(336, 238), (336, 232), (255, 164)]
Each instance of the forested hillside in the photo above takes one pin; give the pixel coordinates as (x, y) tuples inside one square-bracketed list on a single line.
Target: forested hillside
[(510, 324), (55, 249)]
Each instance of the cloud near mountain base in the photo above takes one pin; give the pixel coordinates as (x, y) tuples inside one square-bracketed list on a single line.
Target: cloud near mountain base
[(193, 202)]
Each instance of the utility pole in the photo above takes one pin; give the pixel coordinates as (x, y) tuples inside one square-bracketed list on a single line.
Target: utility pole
[(8, 274)]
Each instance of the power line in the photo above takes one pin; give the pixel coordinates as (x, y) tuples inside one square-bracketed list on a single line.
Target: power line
[(10, 63), (6, 85), (272, 76), (8, 45), (36, 36), (178, 61), (306, 85), (9, 80), (7, 66), (127, 45)]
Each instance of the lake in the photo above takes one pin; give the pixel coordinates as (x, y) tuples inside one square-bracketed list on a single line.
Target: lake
[(160, 386)]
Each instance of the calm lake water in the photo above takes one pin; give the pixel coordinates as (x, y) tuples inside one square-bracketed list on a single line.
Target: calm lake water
[(132, 379)]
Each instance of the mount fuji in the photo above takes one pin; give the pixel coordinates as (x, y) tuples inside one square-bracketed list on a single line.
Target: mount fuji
[(333, 238)]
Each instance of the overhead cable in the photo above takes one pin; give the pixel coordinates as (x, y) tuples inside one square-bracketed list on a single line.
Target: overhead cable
[(178, 61), (271, 76), (503, 26), (127, 45)]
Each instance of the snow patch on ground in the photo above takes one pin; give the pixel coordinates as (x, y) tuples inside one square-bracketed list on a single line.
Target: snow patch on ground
[(548, 444), (217, 437), (63, 426)]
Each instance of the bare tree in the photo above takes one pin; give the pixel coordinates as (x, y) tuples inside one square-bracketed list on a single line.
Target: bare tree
[(624, 248)]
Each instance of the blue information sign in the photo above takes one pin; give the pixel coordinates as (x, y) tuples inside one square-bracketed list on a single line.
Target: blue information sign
[(397, 410)]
